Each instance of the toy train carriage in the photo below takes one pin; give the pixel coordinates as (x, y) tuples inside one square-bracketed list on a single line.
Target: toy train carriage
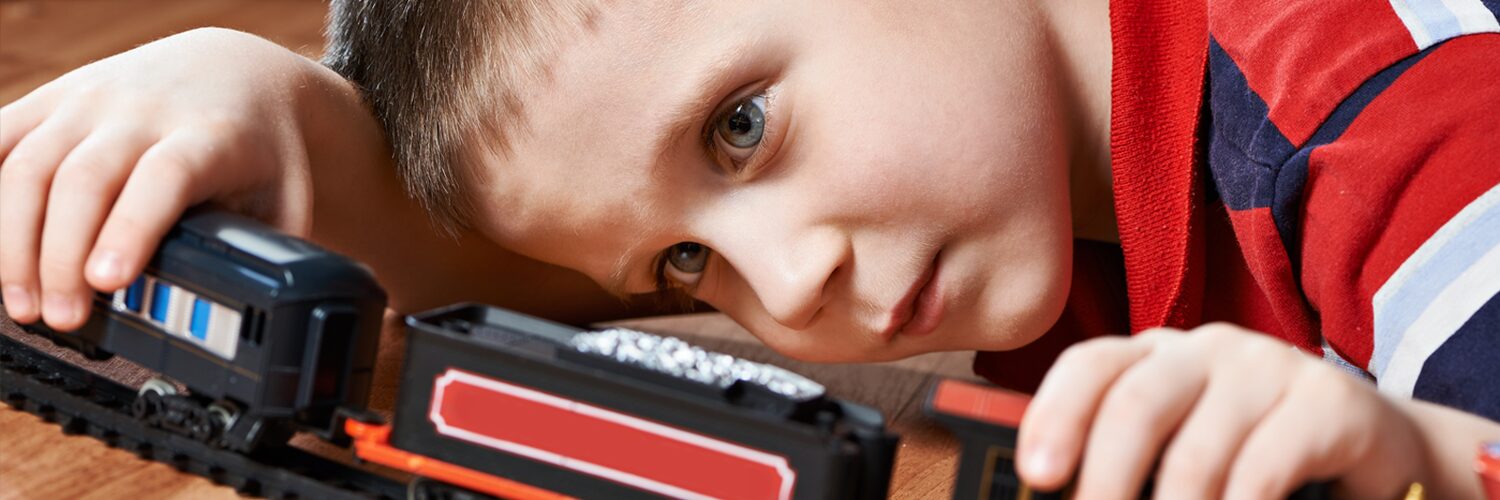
[(985, 419), (271, 334), (509, 405)]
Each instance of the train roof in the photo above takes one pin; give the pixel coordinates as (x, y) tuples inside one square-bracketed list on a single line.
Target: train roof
[(306, 270)]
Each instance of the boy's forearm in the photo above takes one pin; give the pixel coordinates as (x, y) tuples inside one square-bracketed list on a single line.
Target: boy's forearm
[(359, 207), (1452, 439)]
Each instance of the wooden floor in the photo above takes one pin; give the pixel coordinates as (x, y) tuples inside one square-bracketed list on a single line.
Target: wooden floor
[(41, 40)]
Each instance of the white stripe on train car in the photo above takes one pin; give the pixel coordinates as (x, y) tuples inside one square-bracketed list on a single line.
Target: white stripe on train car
[(223, 330), (179, 313), (224, 323)]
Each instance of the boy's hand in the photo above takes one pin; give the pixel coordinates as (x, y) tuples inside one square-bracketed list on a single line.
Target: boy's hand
[(97, 165), (1217, 412)]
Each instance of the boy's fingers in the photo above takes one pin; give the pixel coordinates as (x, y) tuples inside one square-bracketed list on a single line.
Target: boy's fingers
[(1197, 460), (1141, 409), (1056, 423), (25, 179), (165, 183), (1295, 442), (16, 120), (83, 190)]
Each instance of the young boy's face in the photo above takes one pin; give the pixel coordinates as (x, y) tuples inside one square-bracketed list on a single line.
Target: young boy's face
[(804, 167)]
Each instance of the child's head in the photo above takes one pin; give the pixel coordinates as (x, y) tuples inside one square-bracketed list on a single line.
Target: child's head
[(798, 165)]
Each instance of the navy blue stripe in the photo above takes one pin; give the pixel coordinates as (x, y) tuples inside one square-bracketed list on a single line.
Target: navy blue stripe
[(1245, 148), (1286, 207), (1462, 373), (1493, 5)]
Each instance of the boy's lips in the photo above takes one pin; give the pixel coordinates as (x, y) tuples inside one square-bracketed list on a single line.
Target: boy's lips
[(921, 309)]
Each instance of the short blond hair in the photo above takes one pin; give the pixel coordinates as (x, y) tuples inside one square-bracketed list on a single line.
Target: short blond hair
[(444, 78)]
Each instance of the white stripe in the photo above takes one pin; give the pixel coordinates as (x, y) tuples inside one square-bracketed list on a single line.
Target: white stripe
[(223, 330), (1472, 16), (180, 312), (1447, 313), (1413, 24), (1389, 317), (1332, 357), (1433, 21), (148, 299)]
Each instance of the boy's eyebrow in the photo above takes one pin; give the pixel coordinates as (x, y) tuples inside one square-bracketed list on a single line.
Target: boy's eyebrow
[(708, 85)]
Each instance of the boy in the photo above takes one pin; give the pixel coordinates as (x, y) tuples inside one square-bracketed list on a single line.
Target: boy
[(862, 181)]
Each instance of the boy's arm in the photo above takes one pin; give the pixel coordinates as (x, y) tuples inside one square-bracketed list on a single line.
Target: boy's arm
[(96, 166)]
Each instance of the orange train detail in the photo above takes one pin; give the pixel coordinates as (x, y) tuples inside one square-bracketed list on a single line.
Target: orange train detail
[(371, 443), (983, 403)]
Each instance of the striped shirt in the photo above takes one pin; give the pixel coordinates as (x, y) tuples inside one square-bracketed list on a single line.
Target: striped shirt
[(1324, 171)]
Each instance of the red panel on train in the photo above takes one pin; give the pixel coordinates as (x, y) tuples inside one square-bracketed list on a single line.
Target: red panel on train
[(602, 442)]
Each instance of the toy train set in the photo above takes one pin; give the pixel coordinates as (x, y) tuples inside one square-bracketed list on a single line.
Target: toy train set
[(271, 335)]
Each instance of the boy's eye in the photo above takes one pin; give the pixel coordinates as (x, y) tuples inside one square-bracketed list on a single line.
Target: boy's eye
[(740, 130), (684, 262)]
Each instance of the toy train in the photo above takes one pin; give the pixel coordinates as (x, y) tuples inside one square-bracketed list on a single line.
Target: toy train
[(985, 419), (272, 335), (490, 394)]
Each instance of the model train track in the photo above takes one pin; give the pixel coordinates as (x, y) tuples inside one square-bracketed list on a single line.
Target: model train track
[(82, 402)]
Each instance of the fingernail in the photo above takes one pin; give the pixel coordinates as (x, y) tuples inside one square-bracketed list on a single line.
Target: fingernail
[(1043, 463), (18, 301), (107, 266), (59, 306)]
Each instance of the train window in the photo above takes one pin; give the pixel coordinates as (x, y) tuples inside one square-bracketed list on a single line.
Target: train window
[(198, 326), (161, 301), (248, 326), (135, 295), (258, 327), (336, 336)]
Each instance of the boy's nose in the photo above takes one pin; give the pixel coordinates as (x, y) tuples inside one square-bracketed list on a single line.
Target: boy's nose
[(791, 276)]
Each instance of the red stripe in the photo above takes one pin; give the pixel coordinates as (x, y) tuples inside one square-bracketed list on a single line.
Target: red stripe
[(1160, 52), (1417, 154), (1233, 294), (1302, 57), (1266, 257), (469, 403)]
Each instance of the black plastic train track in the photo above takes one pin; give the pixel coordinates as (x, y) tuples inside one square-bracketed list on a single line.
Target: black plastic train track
[(82, 402)]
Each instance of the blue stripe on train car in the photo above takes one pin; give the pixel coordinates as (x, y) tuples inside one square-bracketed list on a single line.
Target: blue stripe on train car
[(161, 299), (199, 325), (135, 294)]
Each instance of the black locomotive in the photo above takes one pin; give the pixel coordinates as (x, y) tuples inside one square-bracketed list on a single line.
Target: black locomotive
[(269, 334), (508, 405)]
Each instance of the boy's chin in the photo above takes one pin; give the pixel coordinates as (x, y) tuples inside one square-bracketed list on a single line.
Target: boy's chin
[(1010, 329)]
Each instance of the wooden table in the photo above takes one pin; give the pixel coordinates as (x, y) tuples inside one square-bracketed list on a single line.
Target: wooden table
[(41, 40)]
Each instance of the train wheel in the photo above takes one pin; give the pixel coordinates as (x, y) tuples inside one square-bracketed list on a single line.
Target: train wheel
[(222, 415), (199, 427), (146, 407), (148, 404)]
